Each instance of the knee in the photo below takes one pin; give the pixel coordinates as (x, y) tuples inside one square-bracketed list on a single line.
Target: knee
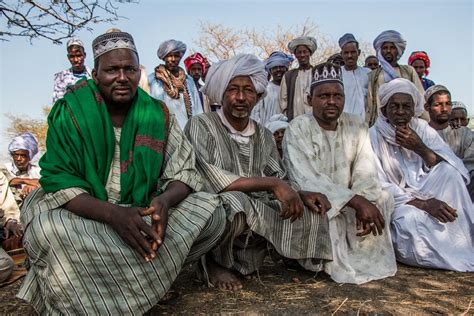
[(6, 265)]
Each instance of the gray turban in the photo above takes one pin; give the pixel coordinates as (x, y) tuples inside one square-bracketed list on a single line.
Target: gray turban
[(171, 46), (395, 38), (401, 85), (221, 73), (25, 141), (347, 38), (307, 41)]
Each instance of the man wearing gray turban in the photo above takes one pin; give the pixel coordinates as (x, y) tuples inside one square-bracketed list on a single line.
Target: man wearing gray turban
[(293, 101), (170, 83), (432, 225), (239, 160), (390, 46)]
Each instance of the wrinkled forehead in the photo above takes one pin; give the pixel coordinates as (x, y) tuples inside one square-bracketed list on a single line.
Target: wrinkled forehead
[(401, 98), (241, 81)]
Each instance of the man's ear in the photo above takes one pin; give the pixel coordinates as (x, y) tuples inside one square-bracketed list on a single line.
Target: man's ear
[(259, 96), (427, 107), (94, 75), (309, 97)]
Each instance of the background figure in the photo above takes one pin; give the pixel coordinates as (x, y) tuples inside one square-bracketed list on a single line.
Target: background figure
[(196, 68), (421, 62), (277, 124), (372, 62), (459, 116)]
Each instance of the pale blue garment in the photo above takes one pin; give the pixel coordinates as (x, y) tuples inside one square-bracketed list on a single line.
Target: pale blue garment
[(177, 106)]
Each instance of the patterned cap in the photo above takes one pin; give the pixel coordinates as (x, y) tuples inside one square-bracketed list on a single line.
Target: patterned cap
[(110, 41), (435, 89), (76, 42), (325, 73)]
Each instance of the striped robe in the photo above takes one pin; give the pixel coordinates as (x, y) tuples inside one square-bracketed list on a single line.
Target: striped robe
[(254, 218), (81, 266)]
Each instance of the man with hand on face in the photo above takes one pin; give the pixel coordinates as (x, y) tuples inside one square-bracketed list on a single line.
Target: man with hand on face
[(114, 221), (355, 78), (239, 160), (276, 65), (68, 77), (330, 151), (459, 115), (293, 101), (433, 222), (170, 84)]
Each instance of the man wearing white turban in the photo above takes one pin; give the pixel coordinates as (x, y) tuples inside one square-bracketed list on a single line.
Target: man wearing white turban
[(239, 160), (170, 83), (432, 225), (276, 65), (293, 94), (390, 46)]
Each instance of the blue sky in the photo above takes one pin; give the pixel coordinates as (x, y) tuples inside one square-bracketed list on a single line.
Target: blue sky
[(444, 29)]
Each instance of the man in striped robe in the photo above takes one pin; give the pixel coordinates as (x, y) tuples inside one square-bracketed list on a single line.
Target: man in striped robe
[(117, 175), (239, 160)]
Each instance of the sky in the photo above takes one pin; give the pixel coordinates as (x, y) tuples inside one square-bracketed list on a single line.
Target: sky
[(444, 29)]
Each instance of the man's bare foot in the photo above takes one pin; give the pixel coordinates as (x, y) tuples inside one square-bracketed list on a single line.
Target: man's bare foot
[(222, 278)]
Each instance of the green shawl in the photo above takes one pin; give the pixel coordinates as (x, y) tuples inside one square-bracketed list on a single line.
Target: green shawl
[(80, 145)]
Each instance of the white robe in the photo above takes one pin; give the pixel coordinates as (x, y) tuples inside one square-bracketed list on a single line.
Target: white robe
[(355, 90), (461, 142), (268, 106), (340, 164), (419, 238)]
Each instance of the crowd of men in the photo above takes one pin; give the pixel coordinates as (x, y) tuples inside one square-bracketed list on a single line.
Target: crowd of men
[(331, 167)]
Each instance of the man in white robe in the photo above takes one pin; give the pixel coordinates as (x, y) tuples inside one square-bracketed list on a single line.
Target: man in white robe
[(330, 151), (355, 78), (432, 225)]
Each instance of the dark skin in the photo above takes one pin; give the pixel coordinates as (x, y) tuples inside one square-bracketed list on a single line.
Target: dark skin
[(278, 136), (303, 55), (277, 74), (327, 100), (172, 62), (21, 160), (372, 62), (419, 66), (350, 54), (117, 75), (195, 71), (399, 111), (458, 118), (76, 56), (389, 53), (439, 110)]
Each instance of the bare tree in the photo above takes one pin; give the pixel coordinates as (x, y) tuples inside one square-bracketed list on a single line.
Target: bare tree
[(53, 20)]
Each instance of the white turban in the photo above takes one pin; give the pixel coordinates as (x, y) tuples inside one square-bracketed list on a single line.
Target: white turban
[(221, 73), (458, 105), (25, 141), (307, 41), (399, 42), (401, 85), (170, 46), (276, 122)]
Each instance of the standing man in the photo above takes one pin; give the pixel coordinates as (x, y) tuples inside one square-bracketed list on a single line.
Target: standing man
[(293, 94), (196, 67), (355, 78), (390, 46), (68, 77), (276, 65), (170, 84), (372, 62), (421, 62)]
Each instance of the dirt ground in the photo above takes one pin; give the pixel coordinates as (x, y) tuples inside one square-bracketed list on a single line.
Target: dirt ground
[(284, 291)]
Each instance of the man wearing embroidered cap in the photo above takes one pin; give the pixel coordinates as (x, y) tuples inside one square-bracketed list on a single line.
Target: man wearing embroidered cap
[(78, 70), (329, 151), (390, 46), (239, 160), (293, 94), (276, 65), (433, 224), (117, 174), (170, 84), (355, 78)]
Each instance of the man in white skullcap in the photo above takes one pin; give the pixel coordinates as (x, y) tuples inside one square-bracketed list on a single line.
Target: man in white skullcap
[(433, 224), (239, 160), (66, 78), (293, 94), (459, 116), (277, 124), (329, 151), (389, 46), (170, 83)]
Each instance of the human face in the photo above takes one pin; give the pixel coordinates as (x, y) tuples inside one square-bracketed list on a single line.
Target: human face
[(278, 136), (172, 61), (459, 117), (419, 66), (21, 159), (303, 55), (76, 56), (372, 63), (195, 71), (440, 108), (350, 53), (327, 101), (278, 72), (389, 53), (240, 97), (399, 110), (117, 76)]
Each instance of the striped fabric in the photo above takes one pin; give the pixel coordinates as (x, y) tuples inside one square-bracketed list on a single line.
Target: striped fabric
[(254, 217), (81, 266)]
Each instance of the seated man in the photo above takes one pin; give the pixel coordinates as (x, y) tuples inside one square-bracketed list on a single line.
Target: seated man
[(239, 160), (459, 115), (460, 140), (330, 151), (432, 225), (277, 124), (114, 157)]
